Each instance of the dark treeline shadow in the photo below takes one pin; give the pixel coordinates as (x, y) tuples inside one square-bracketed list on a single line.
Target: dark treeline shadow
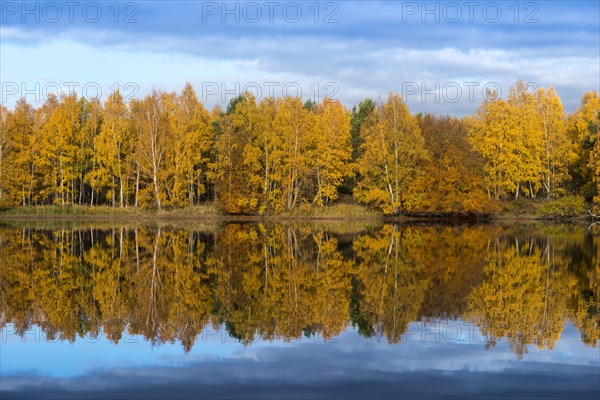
[(286, 281)]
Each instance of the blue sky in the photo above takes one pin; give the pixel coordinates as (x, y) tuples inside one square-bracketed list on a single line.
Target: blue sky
[(441, 55)]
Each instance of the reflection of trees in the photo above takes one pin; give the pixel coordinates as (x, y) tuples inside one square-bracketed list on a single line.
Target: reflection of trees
[(285, 281), (394, 283), (585, 309), (455, 259), (523, 296), (173, 301), (279, 282)]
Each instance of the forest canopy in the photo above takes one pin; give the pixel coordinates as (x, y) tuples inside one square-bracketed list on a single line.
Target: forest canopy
[(280, 154)]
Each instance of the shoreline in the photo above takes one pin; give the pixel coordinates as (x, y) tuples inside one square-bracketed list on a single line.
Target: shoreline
[(320, 215)]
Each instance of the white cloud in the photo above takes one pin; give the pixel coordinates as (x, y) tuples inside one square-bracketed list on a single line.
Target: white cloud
[(358, 68)]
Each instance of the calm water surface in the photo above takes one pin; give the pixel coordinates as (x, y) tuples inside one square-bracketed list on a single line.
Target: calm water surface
[(309, 310)]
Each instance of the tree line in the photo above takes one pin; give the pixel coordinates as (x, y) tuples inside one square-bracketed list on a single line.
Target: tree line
[(280, 154), (288, 281)]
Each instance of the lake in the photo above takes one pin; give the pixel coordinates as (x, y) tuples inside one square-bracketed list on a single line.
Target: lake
[(299, 310)]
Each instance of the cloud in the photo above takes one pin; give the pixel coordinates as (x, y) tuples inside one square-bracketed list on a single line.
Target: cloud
[(354, 369), (371, 50), (351, 367), (422, 385)]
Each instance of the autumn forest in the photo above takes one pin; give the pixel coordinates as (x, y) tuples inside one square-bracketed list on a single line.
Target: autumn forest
[(277, 155)]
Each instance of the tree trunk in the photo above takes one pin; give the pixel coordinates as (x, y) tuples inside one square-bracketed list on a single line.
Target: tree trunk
[(137, 187)]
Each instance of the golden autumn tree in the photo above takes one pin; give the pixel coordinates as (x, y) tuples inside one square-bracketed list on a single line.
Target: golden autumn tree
[(25, 145), (558, 150), (524, 142), (271, 161), (190, 141), (453, 180), (294, 123), (529, 140), (584, 125), (152, 131), (279, 154), (487, 135), (393, 156), (58, 156), (236, 171), (114, 145), (40, 191), (5, 150), (500, 131), (62, 149), (333, 150), (91, 121)]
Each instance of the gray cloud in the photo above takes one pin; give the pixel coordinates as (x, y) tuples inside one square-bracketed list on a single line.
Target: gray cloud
[(373, 49), (313, 375), (351, 368)]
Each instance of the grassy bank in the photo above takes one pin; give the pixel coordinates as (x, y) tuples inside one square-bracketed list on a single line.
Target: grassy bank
[(338, 219), (335, 211), (106, 212), (206, 211), (566, 208)]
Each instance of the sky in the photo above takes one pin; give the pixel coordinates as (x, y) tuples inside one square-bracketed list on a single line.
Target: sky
[(440, 55), (450, 353)]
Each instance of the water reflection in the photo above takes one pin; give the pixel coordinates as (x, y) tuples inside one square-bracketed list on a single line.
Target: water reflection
[(285, 281)]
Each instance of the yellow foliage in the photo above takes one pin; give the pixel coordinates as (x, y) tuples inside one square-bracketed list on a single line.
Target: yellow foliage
[(393, 154), (280, 155)]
